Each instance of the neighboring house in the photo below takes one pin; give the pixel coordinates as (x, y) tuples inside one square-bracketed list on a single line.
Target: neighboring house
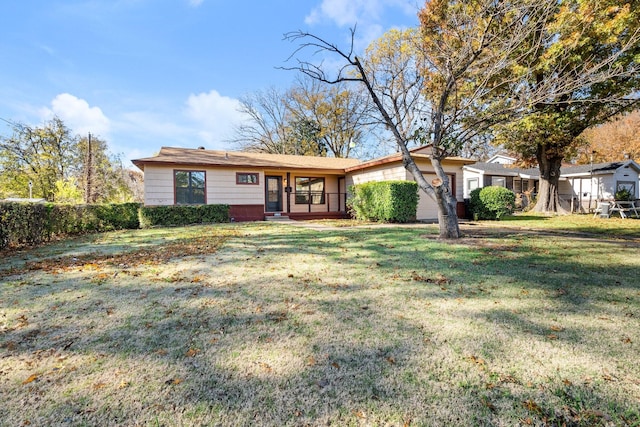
[(256, 185), (518, 180), (580, 186), (584, 185), (503, 159)]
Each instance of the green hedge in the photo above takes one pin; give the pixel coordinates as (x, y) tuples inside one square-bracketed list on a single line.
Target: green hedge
[(491, 202), (34, 223), (387, 201), (151, 216)]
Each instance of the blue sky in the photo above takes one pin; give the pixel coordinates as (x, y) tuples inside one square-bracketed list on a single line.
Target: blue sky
[(142, 74)]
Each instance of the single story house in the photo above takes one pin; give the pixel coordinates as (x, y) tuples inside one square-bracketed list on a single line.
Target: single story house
[(257, 185), (580, 186)]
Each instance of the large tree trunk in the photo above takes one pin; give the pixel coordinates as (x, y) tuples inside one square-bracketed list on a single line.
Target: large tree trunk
[(447, 214), (548, 195), (439, 190)]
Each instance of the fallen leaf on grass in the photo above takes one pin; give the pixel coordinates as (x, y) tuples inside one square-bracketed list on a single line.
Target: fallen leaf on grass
[(335, 365), (557, 328), (265, 366), (98, 386), (626, 340), (124, 384), (391, 360), (31, 379), (359, 414), (477, 360), (192, 352), (531, 406), (173, 381), (311, 361)]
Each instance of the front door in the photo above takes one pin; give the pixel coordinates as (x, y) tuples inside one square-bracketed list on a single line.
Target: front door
[(273, 193)]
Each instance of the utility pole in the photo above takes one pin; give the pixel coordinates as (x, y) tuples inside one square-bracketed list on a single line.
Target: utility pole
[(89, 167)]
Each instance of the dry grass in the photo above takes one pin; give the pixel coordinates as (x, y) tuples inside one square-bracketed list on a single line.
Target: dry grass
[(269, 324)]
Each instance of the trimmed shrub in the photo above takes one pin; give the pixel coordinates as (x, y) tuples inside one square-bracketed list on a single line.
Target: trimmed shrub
[(491, 202), (151, 216), (123, 216), (23, 223), (387, 201)]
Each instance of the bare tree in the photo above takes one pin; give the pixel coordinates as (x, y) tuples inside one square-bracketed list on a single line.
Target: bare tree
[(266, 128)]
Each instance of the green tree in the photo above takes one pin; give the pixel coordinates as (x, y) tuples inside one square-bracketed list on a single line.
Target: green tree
[(61, 167), (305, 138), (583, 69), (41, 155)]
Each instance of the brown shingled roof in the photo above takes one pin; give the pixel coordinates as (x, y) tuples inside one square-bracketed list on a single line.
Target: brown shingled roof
[(397, 157), (199, 157)]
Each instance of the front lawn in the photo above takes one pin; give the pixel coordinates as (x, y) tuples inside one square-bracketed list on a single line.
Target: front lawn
[(273, 324)]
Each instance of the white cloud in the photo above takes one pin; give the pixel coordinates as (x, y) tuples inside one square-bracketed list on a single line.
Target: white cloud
[(195, 3), (215, 116), (368, 16), (349, 12), (78, 115)]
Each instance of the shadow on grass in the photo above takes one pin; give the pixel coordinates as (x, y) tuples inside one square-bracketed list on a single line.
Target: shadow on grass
[(361, 336)]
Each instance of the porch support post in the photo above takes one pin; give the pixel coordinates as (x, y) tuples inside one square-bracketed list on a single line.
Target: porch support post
[(288, 192)]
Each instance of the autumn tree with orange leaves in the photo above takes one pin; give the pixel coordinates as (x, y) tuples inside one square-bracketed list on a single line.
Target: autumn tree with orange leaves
[(613, 141)]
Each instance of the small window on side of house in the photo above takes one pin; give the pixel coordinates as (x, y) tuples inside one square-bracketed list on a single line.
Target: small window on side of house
[(247, 178), (472, 184)]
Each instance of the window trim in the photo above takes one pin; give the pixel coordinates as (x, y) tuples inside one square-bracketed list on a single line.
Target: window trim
[(239, 174), (309, 195), (175, 187), (471, 180)]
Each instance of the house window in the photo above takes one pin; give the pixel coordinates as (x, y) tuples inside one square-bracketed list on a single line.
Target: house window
[(517, 186), (309, 191), (244, 178), (190, 187), (472, 184), (498, 181)]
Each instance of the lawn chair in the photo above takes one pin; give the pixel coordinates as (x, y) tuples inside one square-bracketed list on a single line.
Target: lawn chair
[(603, 209)]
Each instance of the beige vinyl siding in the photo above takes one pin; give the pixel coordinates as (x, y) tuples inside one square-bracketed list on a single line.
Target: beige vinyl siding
[(378, 173), (222, 188), (158, 186)]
